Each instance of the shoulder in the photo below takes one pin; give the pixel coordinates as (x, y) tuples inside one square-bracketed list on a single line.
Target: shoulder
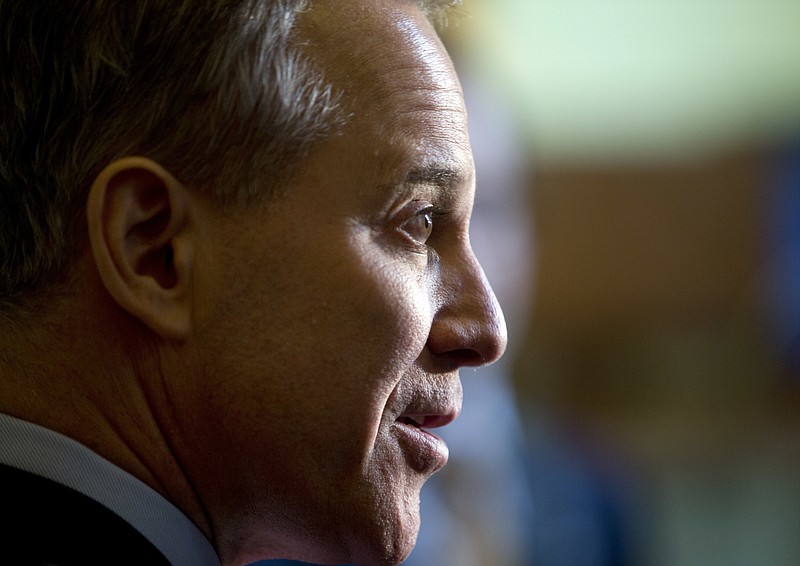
[(43, 522)]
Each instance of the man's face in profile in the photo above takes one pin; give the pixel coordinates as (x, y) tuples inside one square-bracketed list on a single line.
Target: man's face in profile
[(344, 308)]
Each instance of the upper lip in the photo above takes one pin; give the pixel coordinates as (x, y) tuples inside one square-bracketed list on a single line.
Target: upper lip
[(428, 420), (431, 407)]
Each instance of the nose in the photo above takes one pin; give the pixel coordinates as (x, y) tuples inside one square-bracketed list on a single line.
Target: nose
[(468, 329)]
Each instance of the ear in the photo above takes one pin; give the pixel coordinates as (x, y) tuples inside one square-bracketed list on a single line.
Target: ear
[(139, 220)]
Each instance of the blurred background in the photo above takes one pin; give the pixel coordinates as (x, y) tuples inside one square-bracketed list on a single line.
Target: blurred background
[(638, 212), (657, 370)]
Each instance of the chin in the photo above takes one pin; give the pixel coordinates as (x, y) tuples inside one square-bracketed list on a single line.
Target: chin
[(386, 554), (390, 536)]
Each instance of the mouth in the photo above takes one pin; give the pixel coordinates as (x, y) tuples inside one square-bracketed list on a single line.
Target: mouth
[(427, 421), (425, 452)]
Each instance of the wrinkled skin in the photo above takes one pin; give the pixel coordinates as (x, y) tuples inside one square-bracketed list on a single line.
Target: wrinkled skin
[(335, 318)]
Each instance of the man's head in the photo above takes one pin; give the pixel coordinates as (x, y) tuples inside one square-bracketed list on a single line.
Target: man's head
[(284, 354), (216, 91)]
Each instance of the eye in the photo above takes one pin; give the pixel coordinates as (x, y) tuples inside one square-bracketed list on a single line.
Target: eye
[(420, 226)]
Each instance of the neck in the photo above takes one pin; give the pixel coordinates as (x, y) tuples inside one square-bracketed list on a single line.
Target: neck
[(99, 387)]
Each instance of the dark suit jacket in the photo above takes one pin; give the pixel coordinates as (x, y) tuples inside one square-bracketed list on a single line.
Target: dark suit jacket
[(44, 523)]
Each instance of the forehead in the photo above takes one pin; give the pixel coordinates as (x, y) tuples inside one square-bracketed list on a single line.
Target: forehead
[(396, 80)]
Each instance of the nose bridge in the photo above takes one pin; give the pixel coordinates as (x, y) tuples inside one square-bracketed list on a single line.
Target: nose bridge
[(470, 319)]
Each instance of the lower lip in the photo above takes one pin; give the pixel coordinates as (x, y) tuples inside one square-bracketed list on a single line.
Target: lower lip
[(425, 452)]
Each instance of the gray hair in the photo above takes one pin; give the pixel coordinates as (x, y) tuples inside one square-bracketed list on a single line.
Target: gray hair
[(216, 91), (437, 11)]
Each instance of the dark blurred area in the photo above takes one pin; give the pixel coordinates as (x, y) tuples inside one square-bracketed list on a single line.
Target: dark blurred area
[(658, 375), (663, 341)]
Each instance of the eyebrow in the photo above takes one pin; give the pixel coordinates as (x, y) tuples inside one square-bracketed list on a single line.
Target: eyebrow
[(444, 178)]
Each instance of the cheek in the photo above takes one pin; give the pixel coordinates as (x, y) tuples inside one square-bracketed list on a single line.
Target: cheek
[(336, 340), (321, 339), (395, 308), (380, 321)]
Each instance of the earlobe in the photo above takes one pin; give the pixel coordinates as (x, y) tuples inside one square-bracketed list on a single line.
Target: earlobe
[(139, 220)]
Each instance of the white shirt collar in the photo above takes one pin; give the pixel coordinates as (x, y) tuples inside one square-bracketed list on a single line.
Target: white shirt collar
[(41, 451)]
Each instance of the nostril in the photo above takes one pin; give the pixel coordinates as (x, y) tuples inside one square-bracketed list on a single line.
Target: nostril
[(469, 357), (452, 360), (459, 342), (469, 329)]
